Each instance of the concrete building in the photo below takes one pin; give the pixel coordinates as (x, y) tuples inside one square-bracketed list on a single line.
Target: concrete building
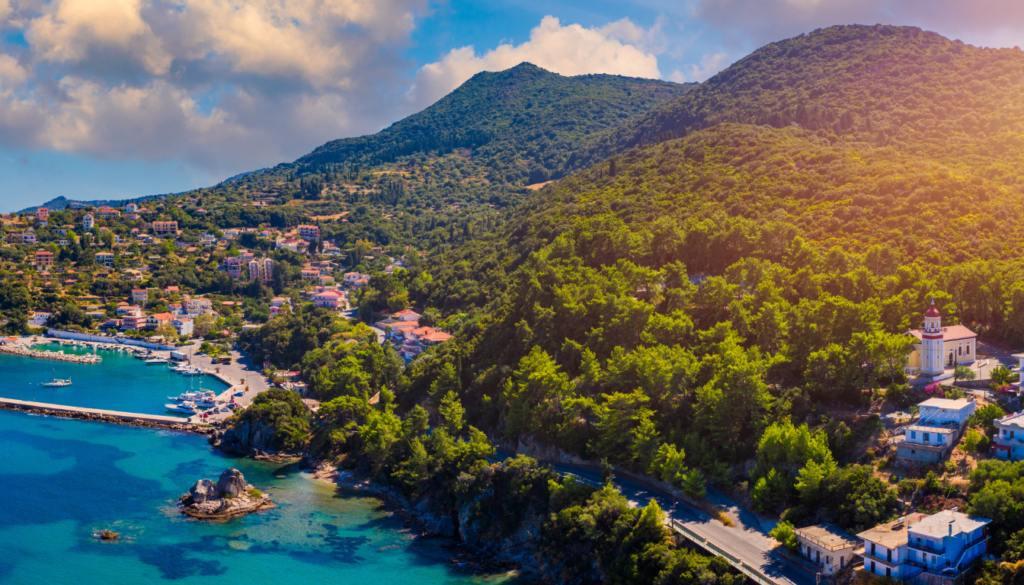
[(934, 435), (261, 269), (140, 296), (309, 232), (184, 325), (945, 544), (1009, 440), (233, 266), (329, 299), (827, 546), (197, 306), (43, 259), (885, 547), (87, 222), (165, 227), (105, 259)]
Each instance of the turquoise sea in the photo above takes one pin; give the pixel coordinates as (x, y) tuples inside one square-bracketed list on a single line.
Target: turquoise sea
[(119, 382), (62, 481)]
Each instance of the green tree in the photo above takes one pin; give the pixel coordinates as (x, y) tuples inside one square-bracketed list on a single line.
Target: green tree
[(452, 413)]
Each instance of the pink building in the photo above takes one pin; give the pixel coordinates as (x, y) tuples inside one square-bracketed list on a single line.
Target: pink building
[(329, 299)]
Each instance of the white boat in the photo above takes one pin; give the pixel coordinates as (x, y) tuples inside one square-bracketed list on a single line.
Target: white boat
[(185, 407), (58, 383), (193, 371), (207, 403), (155, 361), (193, 396)]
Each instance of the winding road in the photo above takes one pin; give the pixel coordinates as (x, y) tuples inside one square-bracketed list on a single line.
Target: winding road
[(746, 542)]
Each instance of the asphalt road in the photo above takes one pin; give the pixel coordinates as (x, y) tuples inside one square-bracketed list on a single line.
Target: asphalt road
[(745, 541)]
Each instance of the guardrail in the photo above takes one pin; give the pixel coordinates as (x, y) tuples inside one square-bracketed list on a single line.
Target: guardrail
[(707, 545)]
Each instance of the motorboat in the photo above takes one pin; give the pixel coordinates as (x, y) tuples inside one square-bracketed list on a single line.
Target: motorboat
[(58, 383), (191, 371), (208, 402), (193, 396), (156, 361), (184, 407)]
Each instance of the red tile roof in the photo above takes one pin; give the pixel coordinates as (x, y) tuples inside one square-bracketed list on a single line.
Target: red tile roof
[(950, 333)]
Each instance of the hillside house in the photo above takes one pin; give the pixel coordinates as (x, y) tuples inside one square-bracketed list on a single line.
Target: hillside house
[(934, 435)]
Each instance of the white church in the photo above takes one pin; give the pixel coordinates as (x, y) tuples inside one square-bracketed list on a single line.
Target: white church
[(937, 350)]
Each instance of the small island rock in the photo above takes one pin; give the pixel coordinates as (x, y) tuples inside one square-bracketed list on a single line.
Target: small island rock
[(204, 490), (228, 498), (231, 482)]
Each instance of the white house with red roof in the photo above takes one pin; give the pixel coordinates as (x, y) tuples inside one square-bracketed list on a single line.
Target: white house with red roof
[(937, 348)]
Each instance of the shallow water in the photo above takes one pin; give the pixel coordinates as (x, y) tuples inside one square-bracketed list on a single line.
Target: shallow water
[(61, 481), (119, 382)]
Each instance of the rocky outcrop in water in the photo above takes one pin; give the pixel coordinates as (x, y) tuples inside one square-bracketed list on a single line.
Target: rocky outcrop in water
[(230, 497)]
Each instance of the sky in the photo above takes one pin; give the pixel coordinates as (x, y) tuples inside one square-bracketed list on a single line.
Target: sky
[(114, 99)]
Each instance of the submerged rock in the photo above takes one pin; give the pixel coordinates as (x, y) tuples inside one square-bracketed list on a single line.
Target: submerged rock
[(109, 535), (228, 498)]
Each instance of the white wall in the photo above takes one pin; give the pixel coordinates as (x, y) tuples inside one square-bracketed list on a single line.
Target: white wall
[(102, 339)]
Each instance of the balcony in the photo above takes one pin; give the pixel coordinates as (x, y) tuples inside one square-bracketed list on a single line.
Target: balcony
[(927, 547)]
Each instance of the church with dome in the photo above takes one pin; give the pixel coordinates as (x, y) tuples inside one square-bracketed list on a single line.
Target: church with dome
[(937, 350)]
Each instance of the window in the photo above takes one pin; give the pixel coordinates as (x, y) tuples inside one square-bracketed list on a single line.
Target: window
[(888, 572), (913, 434), (873, 564)]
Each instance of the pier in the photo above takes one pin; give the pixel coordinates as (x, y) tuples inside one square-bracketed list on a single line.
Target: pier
[(92, 413)]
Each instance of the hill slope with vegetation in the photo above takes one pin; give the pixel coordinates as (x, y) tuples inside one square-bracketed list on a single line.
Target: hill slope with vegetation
[(881, 85)]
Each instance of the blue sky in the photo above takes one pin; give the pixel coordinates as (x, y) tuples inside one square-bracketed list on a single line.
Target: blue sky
[(111, 99)]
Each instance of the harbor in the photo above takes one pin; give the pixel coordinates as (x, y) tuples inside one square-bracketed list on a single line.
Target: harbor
[(183, 385)]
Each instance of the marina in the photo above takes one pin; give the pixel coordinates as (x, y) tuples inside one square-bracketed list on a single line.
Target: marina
[(115, 382)]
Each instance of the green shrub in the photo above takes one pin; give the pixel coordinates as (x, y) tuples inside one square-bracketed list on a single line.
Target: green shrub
[(255, 494), (785, 535)]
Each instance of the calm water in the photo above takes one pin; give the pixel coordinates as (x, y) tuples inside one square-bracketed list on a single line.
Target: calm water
[(63, 480), (120, 382)]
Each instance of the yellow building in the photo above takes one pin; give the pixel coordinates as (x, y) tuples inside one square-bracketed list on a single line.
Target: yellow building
[(937, 348)]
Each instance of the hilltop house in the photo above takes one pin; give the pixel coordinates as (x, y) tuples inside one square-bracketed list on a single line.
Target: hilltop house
[(937, 431), (87, 222)]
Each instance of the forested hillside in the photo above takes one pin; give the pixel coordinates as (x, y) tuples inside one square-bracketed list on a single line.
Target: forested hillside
[(881, 85), (521, 124), (682, 306), (436, 177)]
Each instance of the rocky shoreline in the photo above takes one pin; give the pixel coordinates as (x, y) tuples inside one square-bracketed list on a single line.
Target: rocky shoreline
[(425, 524), (88, 416)]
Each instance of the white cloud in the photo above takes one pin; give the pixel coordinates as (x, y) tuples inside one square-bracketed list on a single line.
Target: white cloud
[(5, 9), (230, 85), (224, 85), (568, 50), (709, 65), (70, 29)]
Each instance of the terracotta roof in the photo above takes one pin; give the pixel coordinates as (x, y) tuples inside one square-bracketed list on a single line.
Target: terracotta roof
[(950, 333)]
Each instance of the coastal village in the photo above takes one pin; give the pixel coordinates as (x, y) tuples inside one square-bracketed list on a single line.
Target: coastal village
[(107, 267)]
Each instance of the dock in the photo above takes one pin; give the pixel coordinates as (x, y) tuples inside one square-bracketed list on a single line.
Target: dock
[(78, 411)]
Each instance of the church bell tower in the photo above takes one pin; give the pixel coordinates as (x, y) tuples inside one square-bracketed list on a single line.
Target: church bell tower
[(932, 346)]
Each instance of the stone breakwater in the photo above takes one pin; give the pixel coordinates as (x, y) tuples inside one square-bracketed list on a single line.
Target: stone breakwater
[(94, 417), (50, 355)]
